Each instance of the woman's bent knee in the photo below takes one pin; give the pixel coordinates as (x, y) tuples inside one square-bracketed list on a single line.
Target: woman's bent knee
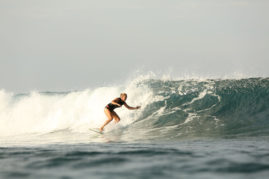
[(117, 119)]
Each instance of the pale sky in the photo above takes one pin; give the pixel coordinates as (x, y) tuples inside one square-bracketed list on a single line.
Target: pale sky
[(62, 45)]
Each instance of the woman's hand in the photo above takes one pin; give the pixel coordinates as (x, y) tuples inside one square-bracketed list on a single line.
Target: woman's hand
[(131, 108)]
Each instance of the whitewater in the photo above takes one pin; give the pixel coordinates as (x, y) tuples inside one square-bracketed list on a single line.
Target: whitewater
[(198, 128)]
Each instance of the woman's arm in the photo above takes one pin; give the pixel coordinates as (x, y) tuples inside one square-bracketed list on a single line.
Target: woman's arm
[(115, 102), (131, 108)]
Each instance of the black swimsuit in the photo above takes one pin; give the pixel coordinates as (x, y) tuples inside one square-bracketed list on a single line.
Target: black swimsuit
[(111, 106)]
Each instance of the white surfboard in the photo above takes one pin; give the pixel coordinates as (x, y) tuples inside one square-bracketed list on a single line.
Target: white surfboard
[(96, 130)]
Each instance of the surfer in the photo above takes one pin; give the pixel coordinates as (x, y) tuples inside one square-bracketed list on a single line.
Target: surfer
[(116, 103)]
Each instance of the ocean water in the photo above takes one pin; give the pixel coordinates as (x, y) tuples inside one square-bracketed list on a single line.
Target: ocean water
[(213, 128)]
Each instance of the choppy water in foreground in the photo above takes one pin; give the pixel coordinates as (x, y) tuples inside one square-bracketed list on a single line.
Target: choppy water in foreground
[(224, 158)]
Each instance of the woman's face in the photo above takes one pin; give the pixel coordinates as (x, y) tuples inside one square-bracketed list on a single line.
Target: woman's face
[(124, 98)]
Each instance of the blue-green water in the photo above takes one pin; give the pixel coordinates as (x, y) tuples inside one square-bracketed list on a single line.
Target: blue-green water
[(185, 129), (223, 158)]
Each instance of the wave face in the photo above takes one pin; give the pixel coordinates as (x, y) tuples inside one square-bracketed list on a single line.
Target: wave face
[(210, 108), (171, 109)]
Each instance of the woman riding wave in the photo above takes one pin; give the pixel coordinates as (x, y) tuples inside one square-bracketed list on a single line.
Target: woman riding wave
[(116, 103)]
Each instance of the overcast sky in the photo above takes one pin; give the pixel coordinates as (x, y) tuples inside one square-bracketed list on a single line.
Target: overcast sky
[(63, 45)]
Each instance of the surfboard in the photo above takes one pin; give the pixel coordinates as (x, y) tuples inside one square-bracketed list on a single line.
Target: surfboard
[(96, 130)]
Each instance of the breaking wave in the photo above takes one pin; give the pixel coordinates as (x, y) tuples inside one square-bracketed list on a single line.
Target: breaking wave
[(171, 109)]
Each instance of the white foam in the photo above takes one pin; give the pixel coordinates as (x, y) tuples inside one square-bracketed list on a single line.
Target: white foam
[(76, 111)]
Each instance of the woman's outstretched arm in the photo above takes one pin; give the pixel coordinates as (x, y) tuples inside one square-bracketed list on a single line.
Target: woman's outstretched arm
[(131, 108)]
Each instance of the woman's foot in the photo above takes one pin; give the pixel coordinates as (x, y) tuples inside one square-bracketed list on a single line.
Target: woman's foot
[(101, 129)]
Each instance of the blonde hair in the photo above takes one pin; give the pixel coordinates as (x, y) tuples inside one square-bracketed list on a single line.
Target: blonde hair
[(123, 94)]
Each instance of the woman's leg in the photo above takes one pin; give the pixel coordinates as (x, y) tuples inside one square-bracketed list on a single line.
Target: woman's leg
[(109, 118), (115, 116)]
